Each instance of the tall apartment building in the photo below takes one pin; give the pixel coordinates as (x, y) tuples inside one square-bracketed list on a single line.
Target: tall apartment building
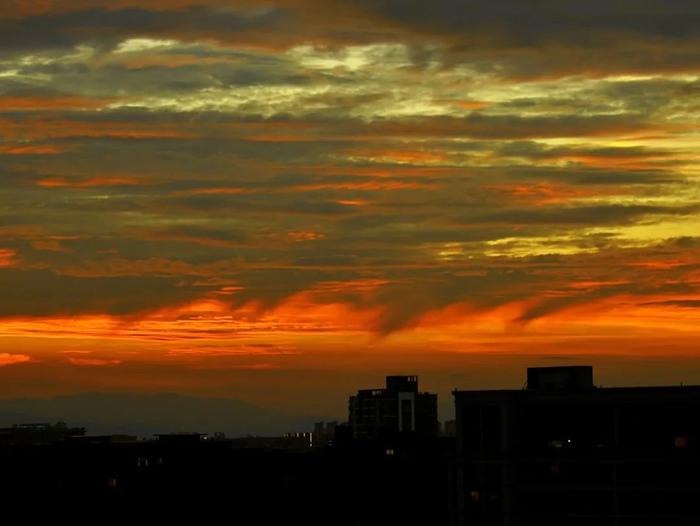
[(398, 408), (564, 452)]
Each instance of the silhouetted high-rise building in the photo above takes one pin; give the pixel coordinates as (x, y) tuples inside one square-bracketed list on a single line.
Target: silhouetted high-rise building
[(563, 452), (398, 408), (324, 433)]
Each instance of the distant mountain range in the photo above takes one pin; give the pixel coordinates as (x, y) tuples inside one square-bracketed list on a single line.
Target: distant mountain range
[(146, 414)]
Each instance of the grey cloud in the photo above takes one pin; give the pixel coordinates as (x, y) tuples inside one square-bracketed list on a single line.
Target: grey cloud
[(589, 176), (535, 21), (39, 293), (515, 38), (579, 215), (231, 204), (539, 151), (65, 30)]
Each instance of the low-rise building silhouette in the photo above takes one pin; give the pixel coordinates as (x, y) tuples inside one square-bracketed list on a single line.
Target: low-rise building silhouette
[(564, 452), (398, 408), (38, 433)]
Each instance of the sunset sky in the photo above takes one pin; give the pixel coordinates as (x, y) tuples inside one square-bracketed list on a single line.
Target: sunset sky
[(284, 201)]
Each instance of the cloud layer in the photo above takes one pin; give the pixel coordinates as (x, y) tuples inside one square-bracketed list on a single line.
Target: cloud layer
[(184, 179)]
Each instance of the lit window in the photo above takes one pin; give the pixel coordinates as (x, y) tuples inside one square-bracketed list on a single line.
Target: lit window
[(475, 495), (389, 452), (680, 442)]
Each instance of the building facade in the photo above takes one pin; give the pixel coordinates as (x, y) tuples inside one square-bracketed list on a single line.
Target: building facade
[(564, 452), (398, 408)]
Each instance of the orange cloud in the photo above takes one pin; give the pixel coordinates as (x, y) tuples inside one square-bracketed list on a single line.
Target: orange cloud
[(365, 287), (233, 350), (215, 191), (93, 362), (59, 182), (660, 264), (300, 235), (209, 333), (353, 202), (7, 257), (466, 104), (363, 186), (283, 138), (33, 149), (398, 170), (367, 186), (33, 128), (21, 231), (143, 267), (50, 103), (595, 284), (211, 319), (655, 315), (548, 193), (50, 245), (182, 237), (11, 359)]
